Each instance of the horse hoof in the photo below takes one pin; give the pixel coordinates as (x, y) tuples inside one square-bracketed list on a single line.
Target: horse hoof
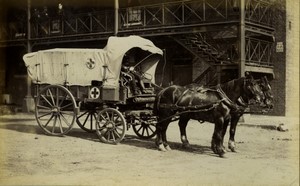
[(222, 155), (214, 148), (231, 146), (234, 150), (168, 148), (161, 147)]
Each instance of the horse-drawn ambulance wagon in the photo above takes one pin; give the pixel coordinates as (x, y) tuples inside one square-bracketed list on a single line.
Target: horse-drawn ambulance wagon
[(90, 87)]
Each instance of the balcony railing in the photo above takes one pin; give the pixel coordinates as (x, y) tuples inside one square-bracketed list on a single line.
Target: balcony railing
[(180, 13), (258, 11), (258, 52), (95, 22)]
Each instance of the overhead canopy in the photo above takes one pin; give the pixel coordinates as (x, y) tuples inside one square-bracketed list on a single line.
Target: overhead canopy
[(81, 66)]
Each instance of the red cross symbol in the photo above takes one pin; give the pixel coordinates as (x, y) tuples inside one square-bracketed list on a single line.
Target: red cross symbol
[(95, 93)]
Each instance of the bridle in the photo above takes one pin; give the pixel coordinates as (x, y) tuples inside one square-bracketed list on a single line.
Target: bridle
[(253, 91)]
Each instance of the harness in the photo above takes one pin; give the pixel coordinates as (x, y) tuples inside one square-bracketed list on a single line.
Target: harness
[(236, 107)]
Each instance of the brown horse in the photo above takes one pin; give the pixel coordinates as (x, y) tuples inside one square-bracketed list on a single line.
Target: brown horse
[(214, 105)]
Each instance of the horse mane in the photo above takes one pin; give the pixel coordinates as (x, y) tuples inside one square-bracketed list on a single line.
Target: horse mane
[(230, 85)]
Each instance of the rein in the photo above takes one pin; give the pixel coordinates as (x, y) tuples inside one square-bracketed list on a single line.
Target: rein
[(188, 111)]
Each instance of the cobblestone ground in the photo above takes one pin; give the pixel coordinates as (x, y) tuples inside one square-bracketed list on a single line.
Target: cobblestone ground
[(266, 156)]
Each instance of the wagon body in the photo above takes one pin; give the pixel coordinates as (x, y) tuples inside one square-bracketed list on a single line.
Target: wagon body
[(87, 86)]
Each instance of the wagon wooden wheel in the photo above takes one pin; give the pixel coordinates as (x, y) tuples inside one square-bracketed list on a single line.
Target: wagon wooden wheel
[(111, 126), (87, 120), (55, 110), (145, 129)]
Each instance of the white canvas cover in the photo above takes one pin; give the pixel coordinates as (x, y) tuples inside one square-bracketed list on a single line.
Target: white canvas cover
[(81, 66)]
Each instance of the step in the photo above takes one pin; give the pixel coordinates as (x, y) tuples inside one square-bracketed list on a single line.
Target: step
[(9, 109)]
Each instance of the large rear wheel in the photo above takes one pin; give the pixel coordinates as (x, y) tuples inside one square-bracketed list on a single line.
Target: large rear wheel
[(55, 110), (110, 126)]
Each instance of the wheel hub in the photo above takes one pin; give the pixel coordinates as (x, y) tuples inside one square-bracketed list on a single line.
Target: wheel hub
[(110, 125), (55, 110)]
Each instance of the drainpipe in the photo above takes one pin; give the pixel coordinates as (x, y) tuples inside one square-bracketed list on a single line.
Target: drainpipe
[(116, 17), (242, 39), (28, 103)]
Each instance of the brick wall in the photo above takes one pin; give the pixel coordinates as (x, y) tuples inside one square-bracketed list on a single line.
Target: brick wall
[(279, 58), (292, 59)]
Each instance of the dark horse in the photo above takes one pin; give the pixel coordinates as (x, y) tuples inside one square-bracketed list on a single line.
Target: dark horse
[(216, 105), (243, 103)]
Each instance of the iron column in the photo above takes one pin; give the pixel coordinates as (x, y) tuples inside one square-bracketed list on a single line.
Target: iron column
[(242, 39), (28, 103), (116, 17)]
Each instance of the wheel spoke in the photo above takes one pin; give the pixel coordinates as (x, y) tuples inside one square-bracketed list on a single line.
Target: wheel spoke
[(60, 125), (95, 116), (51, 96), (43, 96), (43, 107), (138, 130), (54, 124), (48, 113), (67, 113), (151, 129), (48, 121), (116, 132), (107, 116), (82, 114), (113, 135), (103, 117), (108, 136), (87, 117), (91, 119), (145, 129), (65, 98), (64, 119), (70, 104)]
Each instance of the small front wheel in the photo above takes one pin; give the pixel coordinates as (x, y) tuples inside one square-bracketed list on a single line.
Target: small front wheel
[(87, 120), (145, 129), (110, 126)]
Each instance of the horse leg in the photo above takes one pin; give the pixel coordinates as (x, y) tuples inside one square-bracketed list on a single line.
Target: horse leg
[(164, 135), (161, 135), (216, 143), (159, 139), (182, 125), (233, 124), (225, 126)]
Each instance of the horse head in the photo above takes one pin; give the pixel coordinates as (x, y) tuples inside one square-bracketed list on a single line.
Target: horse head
[(267, 90), (253, 89)]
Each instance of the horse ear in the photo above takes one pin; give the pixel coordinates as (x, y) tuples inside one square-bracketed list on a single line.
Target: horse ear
[(248, 75)]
